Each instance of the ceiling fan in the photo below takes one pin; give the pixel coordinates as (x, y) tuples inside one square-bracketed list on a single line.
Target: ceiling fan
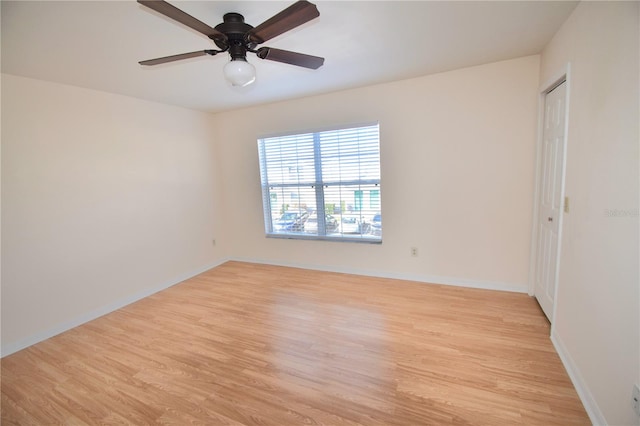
[(235, 36)]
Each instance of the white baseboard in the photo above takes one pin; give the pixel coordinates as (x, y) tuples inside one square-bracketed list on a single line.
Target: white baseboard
[(589, 402), (431, 279), (13, 347)]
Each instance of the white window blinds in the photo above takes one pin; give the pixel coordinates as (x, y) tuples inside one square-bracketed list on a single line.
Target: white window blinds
[(323, 185)]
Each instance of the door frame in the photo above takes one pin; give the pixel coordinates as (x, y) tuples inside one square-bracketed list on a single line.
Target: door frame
[(564, 75)]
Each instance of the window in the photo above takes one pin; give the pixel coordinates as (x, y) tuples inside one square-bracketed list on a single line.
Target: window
[(323, 185), (374, 198)]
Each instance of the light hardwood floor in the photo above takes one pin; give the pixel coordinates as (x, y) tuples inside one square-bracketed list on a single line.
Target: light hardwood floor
[(257, 344)]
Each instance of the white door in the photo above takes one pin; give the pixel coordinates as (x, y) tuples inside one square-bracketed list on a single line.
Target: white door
[(550, 202)]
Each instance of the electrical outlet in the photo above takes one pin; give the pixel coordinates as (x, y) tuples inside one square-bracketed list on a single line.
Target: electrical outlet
[(635, 396), (414, 251)]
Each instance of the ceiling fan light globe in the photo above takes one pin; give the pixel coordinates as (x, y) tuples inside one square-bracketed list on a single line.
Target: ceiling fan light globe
[(239, 72)]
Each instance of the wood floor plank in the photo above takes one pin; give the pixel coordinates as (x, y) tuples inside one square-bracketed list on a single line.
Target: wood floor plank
[(257, 344)]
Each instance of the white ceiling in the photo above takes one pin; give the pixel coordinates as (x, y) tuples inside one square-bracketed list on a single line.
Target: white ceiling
[(97, 45)]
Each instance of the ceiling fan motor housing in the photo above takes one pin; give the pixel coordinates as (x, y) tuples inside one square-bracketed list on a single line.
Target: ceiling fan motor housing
[(234, 27)]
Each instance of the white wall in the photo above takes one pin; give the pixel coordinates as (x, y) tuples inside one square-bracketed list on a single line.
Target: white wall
[(105, 199), (457, 160), (596, 324)]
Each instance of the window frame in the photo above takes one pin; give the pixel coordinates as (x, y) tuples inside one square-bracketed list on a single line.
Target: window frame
[(266, 188)]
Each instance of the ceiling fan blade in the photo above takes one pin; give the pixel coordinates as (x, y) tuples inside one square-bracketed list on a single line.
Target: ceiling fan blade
[(295, 15), (176, 14), (172, 58), (288, 57)]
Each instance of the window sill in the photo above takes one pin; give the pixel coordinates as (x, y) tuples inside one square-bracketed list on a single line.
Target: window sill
[(347, 239)]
